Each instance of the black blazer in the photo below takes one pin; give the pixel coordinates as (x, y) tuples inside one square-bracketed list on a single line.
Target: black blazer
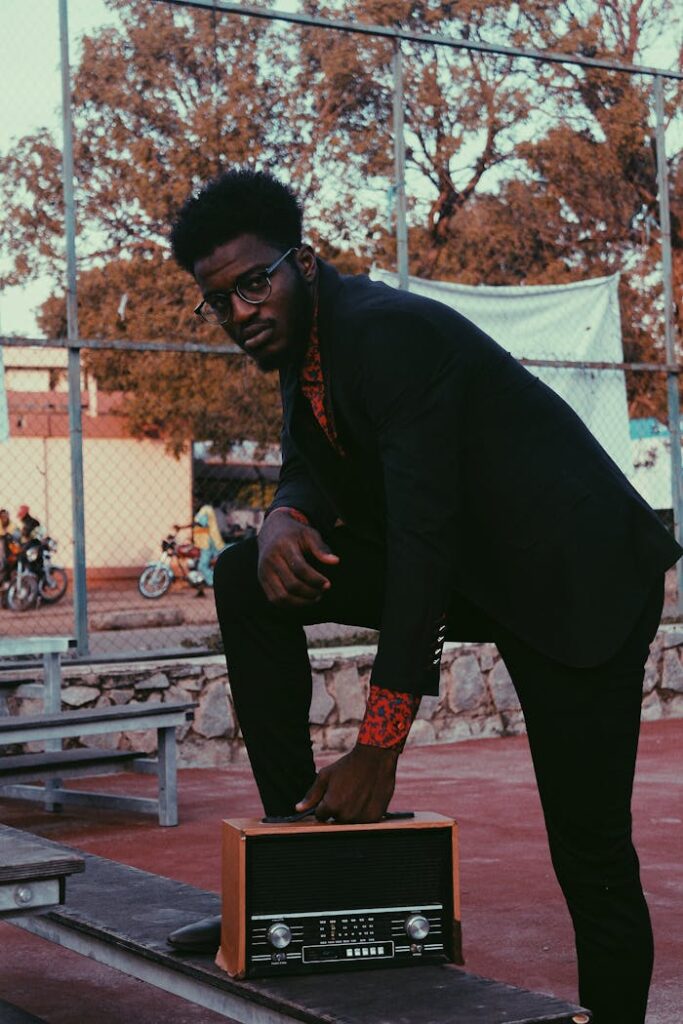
[(479, 479)]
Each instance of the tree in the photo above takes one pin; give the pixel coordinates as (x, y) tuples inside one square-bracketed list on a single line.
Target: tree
[(517, 172)]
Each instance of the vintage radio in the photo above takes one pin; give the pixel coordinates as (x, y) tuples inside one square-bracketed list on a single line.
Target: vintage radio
[(304, 897)]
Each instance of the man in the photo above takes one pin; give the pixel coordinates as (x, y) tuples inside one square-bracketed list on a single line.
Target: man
[(208, 539), (8, 529), (392, 512), (30, 526)]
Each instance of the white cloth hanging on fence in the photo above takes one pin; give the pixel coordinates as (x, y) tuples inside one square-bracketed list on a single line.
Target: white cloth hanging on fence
[(578, 322)]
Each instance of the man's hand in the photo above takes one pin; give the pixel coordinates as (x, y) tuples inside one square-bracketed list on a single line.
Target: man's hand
[(287, 551), (356, 788)]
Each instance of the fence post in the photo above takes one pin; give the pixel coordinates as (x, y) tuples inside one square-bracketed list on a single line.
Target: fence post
[(400, 169), (671, 358), (74, 356)]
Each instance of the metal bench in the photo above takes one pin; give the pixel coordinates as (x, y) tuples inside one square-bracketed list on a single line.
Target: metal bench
[(32, 873), (32, 879), (54, 764)]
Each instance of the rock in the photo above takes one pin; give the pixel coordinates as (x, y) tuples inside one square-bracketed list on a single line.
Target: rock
[(348, 693), (121, 681), (158, 681), (421, 733), (136, 619), (173, 695), (429, 707), (215, 671), (454, 730), (214, 715), (513, 723), (651, 708), (32, 707), (27, 690), (672, 672), (487, 726), (77, 696), (143, 741), (105, 741), (340, 739), (322, 703), (238, 753), (185, 670), (320, 663), (119, 697), (504, 694), (652, 671), (190, 684), (197, 753), (487, 657), (673, 708), (671, 638), (465, 687)]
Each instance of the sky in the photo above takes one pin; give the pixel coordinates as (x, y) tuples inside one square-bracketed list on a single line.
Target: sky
[(31, 91)]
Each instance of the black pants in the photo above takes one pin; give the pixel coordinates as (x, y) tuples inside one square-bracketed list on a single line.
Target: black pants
[(582, 726)]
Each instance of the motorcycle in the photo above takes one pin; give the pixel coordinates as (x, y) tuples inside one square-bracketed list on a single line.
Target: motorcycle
[(178, 561), (32, 576)]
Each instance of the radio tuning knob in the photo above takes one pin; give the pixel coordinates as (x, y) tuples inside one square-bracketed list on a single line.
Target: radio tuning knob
[(279, 935), (417, 927)]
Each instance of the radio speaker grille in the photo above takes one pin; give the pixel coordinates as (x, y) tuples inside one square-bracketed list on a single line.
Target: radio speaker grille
[(299, 873)]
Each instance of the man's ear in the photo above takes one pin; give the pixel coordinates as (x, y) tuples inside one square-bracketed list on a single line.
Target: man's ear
[(307, 263)]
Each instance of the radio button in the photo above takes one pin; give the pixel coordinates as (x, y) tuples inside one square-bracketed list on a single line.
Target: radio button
[(417, 927), (279, 935)]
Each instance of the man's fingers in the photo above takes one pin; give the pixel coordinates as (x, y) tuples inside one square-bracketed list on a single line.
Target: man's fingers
[(295, 567), (314, 545), (314, 795), (323, 812)]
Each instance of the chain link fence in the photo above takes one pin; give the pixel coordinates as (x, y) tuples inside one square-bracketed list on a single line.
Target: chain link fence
[(549, 170)]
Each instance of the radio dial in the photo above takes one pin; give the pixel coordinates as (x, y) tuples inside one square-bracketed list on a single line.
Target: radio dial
[(417, 927), (279, 935)]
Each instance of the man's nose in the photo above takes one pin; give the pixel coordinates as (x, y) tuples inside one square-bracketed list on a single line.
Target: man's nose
[(242, 311)]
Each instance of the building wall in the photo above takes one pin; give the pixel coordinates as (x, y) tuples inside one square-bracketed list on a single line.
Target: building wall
[(134, 493)]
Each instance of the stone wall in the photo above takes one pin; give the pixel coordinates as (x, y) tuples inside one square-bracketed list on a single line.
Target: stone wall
[(477, 698)]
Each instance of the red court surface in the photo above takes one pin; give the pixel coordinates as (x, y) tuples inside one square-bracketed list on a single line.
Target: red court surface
[(515, 926)]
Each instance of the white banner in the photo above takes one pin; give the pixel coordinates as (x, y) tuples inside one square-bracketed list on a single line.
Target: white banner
[(579, 322)]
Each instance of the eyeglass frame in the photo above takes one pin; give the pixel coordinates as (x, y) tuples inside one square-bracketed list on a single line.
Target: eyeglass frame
[(235, 290)]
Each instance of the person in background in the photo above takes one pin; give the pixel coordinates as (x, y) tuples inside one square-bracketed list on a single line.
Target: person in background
[(8, 529), (30, 526), (208, 539)]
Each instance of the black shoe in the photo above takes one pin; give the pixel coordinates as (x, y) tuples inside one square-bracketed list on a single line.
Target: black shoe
[(200, 937)]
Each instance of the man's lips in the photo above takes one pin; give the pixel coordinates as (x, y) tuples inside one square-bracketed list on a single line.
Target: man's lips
[(256, 337)]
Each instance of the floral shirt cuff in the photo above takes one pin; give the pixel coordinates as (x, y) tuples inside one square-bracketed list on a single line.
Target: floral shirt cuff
[(295, 513), (388, 718)]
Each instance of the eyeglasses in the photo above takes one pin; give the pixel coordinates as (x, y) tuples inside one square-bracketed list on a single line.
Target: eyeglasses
[(253, 287)]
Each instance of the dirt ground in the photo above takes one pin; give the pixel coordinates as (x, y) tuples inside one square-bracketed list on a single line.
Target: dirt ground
[(122, 621), (516, 928)]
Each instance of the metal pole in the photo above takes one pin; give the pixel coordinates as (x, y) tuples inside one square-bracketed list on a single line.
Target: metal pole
[(671, 378), (74, 357), (386, 32), (400, 169)]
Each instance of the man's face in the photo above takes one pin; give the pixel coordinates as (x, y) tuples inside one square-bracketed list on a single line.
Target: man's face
[(275, 331), (4, 518)]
